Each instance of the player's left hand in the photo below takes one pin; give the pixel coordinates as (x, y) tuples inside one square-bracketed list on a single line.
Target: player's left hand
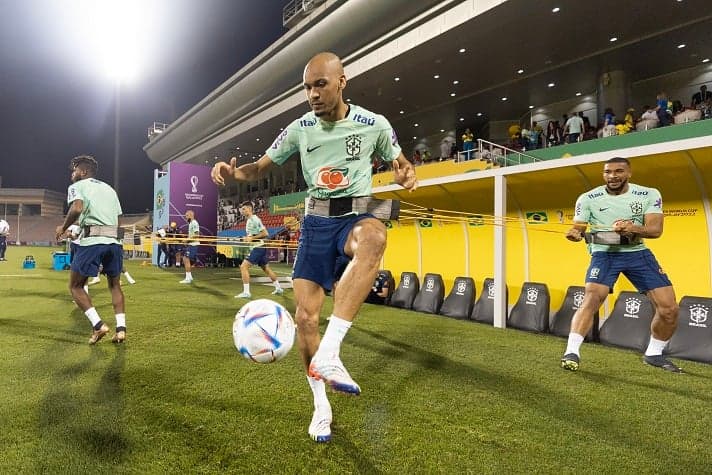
[(405, 177), (623, 226)]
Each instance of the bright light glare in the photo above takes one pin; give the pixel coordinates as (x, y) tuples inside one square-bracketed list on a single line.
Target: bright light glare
[(111, 34)]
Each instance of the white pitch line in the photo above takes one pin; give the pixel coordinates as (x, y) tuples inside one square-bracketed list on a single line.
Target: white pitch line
[(21, 275)]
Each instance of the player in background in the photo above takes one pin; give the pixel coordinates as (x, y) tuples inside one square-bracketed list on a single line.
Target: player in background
[(96, 207), (258, 255), (626, 214)]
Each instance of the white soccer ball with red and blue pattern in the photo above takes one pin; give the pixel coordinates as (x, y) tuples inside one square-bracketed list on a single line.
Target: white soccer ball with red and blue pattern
[(263, 331)]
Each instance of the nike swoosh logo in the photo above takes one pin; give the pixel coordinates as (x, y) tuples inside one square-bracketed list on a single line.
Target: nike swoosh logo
[(602, 209), (310, 150)]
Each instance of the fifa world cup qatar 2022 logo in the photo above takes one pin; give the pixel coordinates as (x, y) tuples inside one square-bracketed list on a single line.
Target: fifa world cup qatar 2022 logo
[(194, 184)]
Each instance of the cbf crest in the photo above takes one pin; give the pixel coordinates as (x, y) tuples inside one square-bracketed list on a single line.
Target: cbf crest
[(698, 315), (532, 296), (632, 308), (636, 207), (353, 147)]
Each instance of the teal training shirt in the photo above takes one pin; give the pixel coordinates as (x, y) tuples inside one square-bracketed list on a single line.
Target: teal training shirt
[(336, 156), (600, 210), (193, 232), (101, 207), (254, 225)]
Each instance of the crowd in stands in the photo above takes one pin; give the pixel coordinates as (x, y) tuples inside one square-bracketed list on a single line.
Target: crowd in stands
[(578, 127)]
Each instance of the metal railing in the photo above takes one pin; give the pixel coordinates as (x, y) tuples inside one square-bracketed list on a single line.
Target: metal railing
[(296, 9), (156, 129), (496, 154)]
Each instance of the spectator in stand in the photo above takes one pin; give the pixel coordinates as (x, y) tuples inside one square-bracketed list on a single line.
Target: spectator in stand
[(562, 126), (535, 135), (584, 118), (468, 140), (609, 122), (444, 150), (702, 98), (417, 160), (574, 127), (663, 109), (453, 150), (621, 127), (553, 137), (629, 120), (4, 232)]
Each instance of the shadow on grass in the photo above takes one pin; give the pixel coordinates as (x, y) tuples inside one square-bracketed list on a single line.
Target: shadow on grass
[(78, 427), (524, 390), (31, 329)]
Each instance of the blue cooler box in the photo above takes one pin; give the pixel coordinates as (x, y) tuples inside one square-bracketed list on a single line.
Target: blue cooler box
[(60, 261)]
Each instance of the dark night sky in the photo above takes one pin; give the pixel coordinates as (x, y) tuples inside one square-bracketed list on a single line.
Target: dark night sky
[(54, 104)]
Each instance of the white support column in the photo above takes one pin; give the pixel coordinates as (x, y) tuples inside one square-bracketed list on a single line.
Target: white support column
[(500, 242)]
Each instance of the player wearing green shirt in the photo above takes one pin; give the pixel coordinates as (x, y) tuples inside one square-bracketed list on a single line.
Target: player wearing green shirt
[(335, 143), (621, 214), (255, 230), (96, 207), (191, 249)]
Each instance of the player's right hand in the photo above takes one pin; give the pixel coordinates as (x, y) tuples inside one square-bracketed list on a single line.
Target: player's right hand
[(222, 170)]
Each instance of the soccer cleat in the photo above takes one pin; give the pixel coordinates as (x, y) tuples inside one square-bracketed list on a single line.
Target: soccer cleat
[(98, 335), (320, 426), (119, 337), (94, 280), (570, 361), (659, 361), (186, 281), (244, 295), (333, 373), (279, 291), (130, 279)]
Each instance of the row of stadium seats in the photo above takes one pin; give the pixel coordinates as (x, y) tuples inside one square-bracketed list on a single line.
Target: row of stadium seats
[(628, 325)]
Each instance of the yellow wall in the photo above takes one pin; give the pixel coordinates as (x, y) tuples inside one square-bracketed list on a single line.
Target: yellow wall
[(538, 251)]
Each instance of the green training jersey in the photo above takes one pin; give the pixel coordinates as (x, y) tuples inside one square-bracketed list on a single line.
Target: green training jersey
[(254, 225), (101, 207), (193, 232), (600, 210), (336, 156)]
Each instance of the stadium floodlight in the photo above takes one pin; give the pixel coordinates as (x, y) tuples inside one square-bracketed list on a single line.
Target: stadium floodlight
[(109, 35)]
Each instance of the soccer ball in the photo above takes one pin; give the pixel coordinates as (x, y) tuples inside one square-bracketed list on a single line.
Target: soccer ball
[(263, 331)]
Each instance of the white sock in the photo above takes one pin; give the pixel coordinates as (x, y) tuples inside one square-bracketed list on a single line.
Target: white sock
[(334, 335), (574, 344), (246, 288), (276, 284), (120, 320), (93, 316), (655, 347), (321, 402), (189, 275)]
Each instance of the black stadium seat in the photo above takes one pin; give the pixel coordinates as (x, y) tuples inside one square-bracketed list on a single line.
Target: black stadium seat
[(628, 326), (461, 299), (408, 288), (561, 322), (531, 312), (431, 294), (483, 311), (693, 338)]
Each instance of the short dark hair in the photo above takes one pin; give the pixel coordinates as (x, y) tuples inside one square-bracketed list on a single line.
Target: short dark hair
[(618, 160), (247, 203), (85, 162)]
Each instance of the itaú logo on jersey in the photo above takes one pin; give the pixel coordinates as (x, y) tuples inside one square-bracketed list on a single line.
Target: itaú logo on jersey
[(332, 178)]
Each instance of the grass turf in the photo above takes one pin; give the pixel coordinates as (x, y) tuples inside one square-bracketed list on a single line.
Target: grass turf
[(439, 395)]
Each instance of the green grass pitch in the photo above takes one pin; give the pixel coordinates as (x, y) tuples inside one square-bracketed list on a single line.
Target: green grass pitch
[(439, 395)]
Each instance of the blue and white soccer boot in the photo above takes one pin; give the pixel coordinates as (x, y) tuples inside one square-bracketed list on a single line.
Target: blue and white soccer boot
[(320, 426), (331, 370)]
